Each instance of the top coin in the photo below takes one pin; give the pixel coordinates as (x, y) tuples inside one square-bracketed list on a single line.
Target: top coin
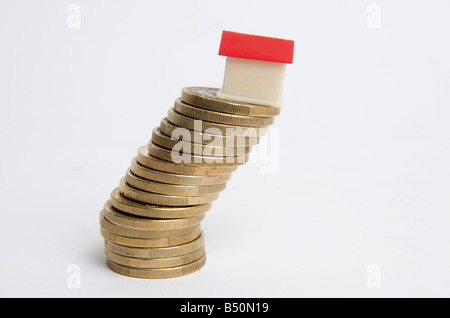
[(206, 98)]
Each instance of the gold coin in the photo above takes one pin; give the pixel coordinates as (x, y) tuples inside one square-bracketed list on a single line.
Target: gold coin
[(170, 178), (214, 149), (151, 242), (170, 155), (126, 205), (137, 233), (206, 97), (121, 219), (154, 262), (170, 189), (162, 199), (152, 162), (183, 121), (168, 272), (221, 118), (167, 128), (155, 252)]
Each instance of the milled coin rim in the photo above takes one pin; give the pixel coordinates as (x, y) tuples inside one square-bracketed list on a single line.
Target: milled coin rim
[(171, 189), (138, 233), (169, 272), (187, 122), (191, 95), (154, 263), (176, 179), (147, 160), (156, 252), (135, 222), (166, 127), (166, 142), (150, 242), (162, 199), (126, 205), (220, 117), (198, 160)]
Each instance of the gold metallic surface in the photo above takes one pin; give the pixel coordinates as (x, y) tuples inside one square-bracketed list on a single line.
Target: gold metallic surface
[(155, 211), (221, 118), (116, 217), (167, 128), (171, 189), (224, 161), (151, 222), (138, 233), (176, 179), (155, 262), (168, 272), (150, 242), (162, 199), (205, 97), (214, 148), (155, 252), (183, 121), (149, 161)]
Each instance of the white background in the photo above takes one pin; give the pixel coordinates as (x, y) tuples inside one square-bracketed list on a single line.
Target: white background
[(364, 154)]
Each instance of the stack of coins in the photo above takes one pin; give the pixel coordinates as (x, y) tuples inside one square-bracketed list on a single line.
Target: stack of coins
[(151, 223)]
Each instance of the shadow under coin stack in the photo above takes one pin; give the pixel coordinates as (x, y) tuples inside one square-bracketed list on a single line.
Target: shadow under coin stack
[(151, 223)]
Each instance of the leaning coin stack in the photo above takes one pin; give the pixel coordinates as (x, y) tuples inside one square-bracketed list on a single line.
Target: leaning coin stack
[(151, 223)]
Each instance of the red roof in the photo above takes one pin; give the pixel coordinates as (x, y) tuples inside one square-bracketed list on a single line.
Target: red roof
[(256, 47)]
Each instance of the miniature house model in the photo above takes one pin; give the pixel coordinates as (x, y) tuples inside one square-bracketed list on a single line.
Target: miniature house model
[(255, 68)]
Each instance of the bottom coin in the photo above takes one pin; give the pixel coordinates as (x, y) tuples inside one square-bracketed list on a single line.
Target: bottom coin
[(168, 272)]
